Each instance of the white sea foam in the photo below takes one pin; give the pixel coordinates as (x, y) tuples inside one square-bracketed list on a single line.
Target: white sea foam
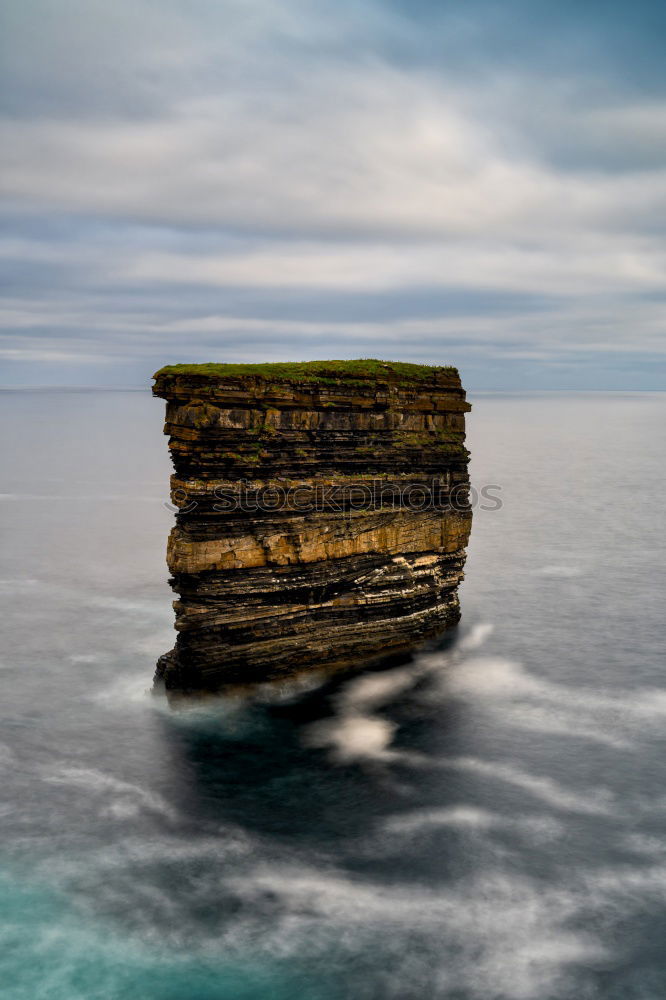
[(353, 737), (615, 718), (122, 798), (123, 691), (13, 584), (370, 691), (476, 637), (465, 817), (596, 801), (563, 572), (493, 676), (227, 843), (481, 921), (154, 642), (498, 934), (356, 732), (472, 819)]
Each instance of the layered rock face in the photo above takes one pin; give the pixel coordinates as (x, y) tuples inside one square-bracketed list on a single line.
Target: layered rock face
[(322, 515)]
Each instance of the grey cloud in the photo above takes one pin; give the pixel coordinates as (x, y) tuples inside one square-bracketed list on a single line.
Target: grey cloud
[(243, 179)]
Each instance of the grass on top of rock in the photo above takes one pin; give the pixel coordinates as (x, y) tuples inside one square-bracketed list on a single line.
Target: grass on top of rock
[(327, 372)]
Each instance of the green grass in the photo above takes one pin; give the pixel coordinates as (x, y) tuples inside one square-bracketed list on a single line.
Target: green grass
[(328, 372)]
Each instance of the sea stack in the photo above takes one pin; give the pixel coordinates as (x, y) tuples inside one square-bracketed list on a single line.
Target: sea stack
[(322, 516)]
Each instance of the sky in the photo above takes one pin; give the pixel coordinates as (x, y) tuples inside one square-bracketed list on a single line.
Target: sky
[(479, 183)]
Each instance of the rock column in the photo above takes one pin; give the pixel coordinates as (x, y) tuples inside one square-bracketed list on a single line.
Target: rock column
[(322, 515)]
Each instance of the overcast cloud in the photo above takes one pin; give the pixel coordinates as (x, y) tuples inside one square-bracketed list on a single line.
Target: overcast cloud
[(474, 183)]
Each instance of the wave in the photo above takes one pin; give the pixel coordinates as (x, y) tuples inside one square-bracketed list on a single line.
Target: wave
[(558, 571), (471, 819), (356, 732), (122, 798), (595, 801), (619, 718)]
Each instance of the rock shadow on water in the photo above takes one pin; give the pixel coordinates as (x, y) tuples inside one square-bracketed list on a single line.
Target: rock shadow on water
[(260, 759)]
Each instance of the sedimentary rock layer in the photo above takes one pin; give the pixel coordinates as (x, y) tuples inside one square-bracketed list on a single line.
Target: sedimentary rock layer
[(322, 515)]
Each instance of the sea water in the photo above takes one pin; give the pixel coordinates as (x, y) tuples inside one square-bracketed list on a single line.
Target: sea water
[(486, 821)]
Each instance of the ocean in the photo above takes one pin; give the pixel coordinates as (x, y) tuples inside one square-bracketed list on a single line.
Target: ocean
[(485, 822)]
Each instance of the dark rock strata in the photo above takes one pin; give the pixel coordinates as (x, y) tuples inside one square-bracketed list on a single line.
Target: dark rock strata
[(322, 515)]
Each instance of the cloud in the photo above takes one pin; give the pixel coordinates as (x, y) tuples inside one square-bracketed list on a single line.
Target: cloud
[(175, 179), (370, 151)]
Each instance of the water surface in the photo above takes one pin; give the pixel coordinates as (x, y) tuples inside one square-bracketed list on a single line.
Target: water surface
[(485, 822)]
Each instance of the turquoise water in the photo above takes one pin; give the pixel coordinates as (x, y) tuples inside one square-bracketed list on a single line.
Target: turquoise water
[(51, 952), (486, 821)]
